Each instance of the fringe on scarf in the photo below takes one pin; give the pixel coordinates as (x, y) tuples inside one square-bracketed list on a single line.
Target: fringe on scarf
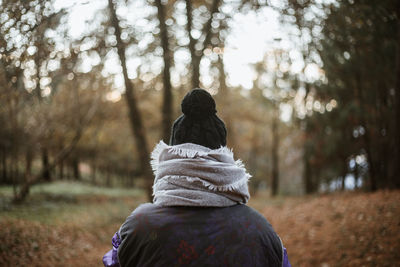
[(188, 153), (224, 188)]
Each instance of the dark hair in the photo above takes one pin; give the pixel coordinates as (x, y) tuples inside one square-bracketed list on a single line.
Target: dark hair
[(199, 123)]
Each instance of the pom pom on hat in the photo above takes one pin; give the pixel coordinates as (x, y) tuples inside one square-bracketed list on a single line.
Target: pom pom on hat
[(199, 123)]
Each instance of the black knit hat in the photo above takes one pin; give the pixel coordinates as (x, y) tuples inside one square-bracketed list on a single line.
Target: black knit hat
[(199, 123)]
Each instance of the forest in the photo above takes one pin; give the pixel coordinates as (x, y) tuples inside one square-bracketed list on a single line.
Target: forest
[(309, 91)]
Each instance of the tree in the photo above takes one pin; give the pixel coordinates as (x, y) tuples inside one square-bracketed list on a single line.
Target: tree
[(134, 113), (271, 89), (197, 47), (358, 37), (167, 93), (48, 101), (396, 170), (347, 40)]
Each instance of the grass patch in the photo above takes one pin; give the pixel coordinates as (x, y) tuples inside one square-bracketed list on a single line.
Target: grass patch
[(75, 203), (75, 189)]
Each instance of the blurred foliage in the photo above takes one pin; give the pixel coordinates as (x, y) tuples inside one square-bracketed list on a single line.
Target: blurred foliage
[(341, 124), (358, 52)]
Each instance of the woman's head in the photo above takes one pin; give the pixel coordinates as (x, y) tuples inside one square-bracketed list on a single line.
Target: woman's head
[(199, 123)]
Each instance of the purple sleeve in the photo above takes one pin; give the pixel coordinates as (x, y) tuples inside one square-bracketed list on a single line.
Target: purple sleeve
[(286, 262), (110, 259)]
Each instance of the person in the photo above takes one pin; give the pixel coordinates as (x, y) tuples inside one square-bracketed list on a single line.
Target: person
[(198, 216)]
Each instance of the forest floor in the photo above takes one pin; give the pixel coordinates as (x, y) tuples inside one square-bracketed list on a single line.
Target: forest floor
[(69, 224)]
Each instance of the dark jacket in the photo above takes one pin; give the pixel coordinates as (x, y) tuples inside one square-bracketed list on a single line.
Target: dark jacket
[(187, 236)]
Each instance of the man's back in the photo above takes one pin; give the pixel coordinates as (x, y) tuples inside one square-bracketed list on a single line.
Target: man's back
[(187, 236)]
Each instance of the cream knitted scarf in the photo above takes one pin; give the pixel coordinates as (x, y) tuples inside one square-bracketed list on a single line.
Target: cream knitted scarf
[(194, 175)]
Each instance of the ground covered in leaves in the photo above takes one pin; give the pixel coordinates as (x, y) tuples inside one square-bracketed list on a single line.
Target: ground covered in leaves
[(348, 229), (56, 228)]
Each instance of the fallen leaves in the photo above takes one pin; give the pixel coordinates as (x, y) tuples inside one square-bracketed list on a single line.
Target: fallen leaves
[(26, 243), (344, 229)]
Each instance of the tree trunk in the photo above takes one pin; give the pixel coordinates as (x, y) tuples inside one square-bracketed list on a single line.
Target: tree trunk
[(309, 187), (192, 43), (13, 172), (252, 162), (196, 72), (15, 169), (75, 169), (275, 153), (366, 136), (208, 28), (167, 93), (4, 166), (224, 99), (28, 163), (45, 165), (355, 173), (396, 172), (134, 113), (344, 173), (223, 88), (371, 164), (94, 172), (197, 55), (61, 170), (38, 62), (307, 172)]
